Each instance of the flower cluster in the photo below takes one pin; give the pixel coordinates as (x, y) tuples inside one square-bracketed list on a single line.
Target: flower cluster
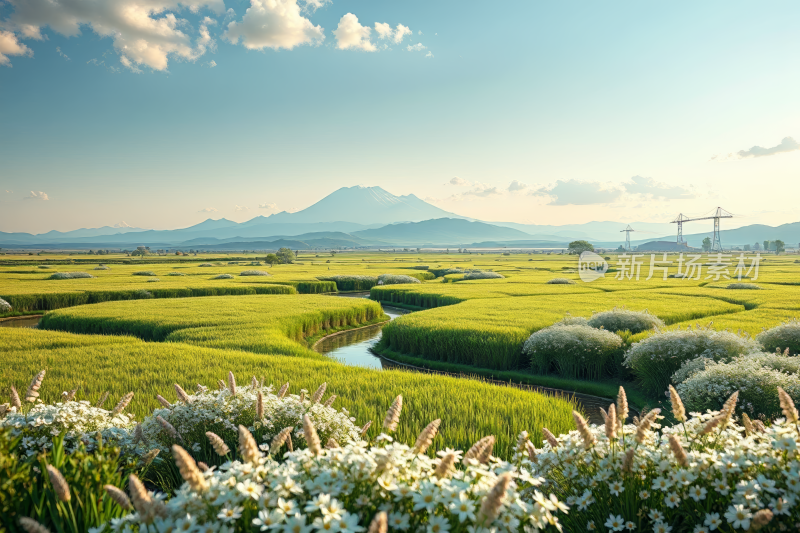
[(704, 474), (80, 422), (786, 335), (743, 286), (70, 275), (254, 273), (396, 279), (5, 307), (625, 320), (349, 489), (255, 407), (482, 274), (560, 281), (223, 276), (572, 350), (144, 273), (660, 355)]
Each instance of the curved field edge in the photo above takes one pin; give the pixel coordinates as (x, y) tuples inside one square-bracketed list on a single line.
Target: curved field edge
[(469, 409), (261, 324)]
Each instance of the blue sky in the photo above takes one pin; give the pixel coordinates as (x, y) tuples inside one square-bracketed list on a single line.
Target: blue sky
[(630, 111)]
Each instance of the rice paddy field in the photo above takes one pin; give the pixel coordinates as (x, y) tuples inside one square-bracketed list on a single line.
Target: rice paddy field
[(104, 332)]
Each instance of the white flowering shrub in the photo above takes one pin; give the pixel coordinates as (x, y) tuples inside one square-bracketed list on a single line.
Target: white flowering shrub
[(755, 377), (79, 421), (396, 279), (5, 307), (255, 273), (482, 274), (144, 273), (205, 265), (704, 474), (223, 276), (787, 335), (176, 274), (570, 320), (70, 275), (625, 320), (574, 351), (655, 359), (153, 279), (142, 294), (560, 281), (743, 286), (222, 412), (351, 489), (102, 267)]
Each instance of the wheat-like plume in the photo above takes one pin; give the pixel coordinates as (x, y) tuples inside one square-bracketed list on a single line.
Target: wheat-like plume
[(678, 451), (150, 456), (365, 428), (331, 444), (32, 526), (102, 400), (119, 497), (393, 414), (748, 425), (138, 434), (254, 383), (426, 437), (611, 422), (260, 406), (231, 383), (188, 468), (221, 384), (330, 400), (70, 396), (478, 450), (169, 428), (787, 406), (588, 437), (59, 484), (3, 410), (491, 504), (760, 519), (530, 449), (310, 434), (627, 463), (279, 439), (678, 410), (15, 398), (248, 448), (202, 466), (550, 438), (182, 396), (218, 444), (445, 466), (163, 401), (284, 390), (123, 403), (317, 396), (33, 389), (622, 407), (645, 423), (379, 524)]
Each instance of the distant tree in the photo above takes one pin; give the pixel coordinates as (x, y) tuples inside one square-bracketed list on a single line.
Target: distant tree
[(746, 247), (780, 246), (272, 259), (756, 246), (621, 249), (706, 244), (285, 255), (333, 253), (578, 247), (766, 246)]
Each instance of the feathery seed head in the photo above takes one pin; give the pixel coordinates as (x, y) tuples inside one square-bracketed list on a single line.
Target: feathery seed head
[(588, 437), (678, 451), (33, 389), (231, 383), (218, 444), (611, 422), (260, 406), (379, 524), (284, 390), (150, 456), (279, 439), (163, 401), (425, 438), (182, 396), (627, 463), (253, 383), (102, 400), (761, 518), (622, 406), (678, 410), (119, 497), (248, 448), (221, 384), (530, 449), (169, 428), (32, 526), (748, 425), (202, 466), (59, 484), (550, 438), (188, 468), (493, 501), (15, 398), (787, 406), (123, 403), (138, 434), (70, 396), (330, 400), (478, 450), (310, 434), (393, 414), (317, 396), (445, 466), (365, 428), (331, 444), (645, 423)]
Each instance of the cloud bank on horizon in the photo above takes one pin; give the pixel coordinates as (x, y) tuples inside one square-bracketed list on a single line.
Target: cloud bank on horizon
[(150, 33)]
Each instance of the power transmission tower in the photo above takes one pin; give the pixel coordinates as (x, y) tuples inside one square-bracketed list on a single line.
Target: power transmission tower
[(679, 220), (627, 231), (716, 242)]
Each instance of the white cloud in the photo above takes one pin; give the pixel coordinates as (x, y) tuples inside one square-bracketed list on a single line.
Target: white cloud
[(788, 144), (516, 186), (62, 54), (385, 31), (274, 24), (208, 210), (650, 187), (429, 54), (419, 47), (240, 208), (10, 46), (37, 195), (267, 206), (574, 192), (313, 5), (483, 191), (459, 182), (211, 64), (351, 35), (145, 32)]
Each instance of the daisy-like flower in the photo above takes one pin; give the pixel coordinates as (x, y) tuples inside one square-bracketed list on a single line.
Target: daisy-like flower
[(463, 507), (615, 523), (250, 489), (229, 514), (738, 516), (616, 487), (398, 521), (672, 500), (268, 519), (348, 523), (697, 493), (438, 524), (296, 524), (590, 526), (661, 527), (630, 526)]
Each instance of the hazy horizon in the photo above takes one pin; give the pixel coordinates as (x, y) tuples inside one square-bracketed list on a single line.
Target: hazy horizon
[(538, 113)]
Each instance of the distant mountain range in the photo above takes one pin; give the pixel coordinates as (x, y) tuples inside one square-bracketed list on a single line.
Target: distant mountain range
[(372, 217)]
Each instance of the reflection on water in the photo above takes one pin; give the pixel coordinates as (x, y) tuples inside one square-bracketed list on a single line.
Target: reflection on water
[(21, 323), (352, 347)]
